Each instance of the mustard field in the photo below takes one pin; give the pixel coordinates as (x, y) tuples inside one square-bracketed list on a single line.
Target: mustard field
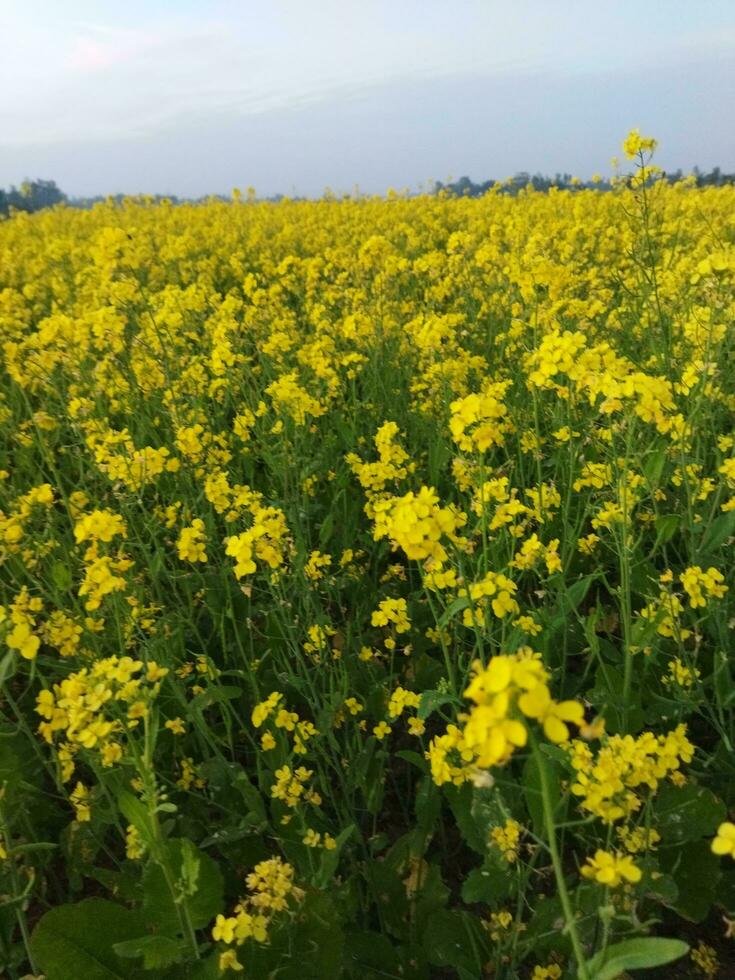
[(367, 590)]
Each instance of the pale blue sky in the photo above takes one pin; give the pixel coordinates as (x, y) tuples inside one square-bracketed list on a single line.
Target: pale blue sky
[(191, 97)]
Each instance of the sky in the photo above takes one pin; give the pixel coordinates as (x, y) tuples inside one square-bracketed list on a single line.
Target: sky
[(294, 96)]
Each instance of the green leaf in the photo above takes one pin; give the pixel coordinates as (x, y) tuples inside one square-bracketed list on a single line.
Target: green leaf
[(569, 600), (427, 806), (489, 884), (200, 890), (722, 681), (157, 951), (458, 605), (190, 865), (330, 859), (578, 590), (136, 814), (61, 576), (687, 812), (251, 796), (431, 701), (460, 802), (532, 783), (666, 527), (408, 755), (456, 939), (11, 767), (216, 694), (696, 871), (653, 467), (325, 531), (370, 954), (389, 896), (73, 941), (718, 532), (7, 665), (309, 946), (635, 954)]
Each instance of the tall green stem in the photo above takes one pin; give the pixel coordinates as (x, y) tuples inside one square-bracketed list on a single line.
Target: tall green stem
[(548, 808)]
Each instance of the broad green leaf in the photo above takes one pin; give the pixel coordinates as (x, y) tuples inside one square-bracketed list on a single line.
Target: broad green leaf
[(718, 532), (75, 941), (696, 871), (190, 865), (370, 955), (431, 701), (61, 575), (687, 812), (456, 939), (202, 904), (251, 796), (307, 946), (136, 814), (653, 467), (489, 884), (635, 954), (408, 755), (457, 606), (460, 801), (157, 951), (578, 590), (666, 527)]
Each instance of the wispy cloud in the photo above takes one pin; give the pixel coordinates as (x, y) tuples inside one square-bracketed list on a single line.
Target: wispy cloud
[(143, 76)]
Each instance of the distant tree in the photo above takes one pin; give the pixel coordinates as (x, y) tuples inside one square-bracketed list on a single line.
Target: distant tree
[(33, 195)]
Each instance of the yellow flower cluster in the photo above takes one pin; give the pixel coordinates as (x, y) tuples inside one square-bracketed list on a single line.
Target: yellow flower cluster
[(610, 782), (635, 144), (271, 890), (21, 620), (496, 587), (401, 699), (680, 675), (611, 870), (392, 612), (15, 524), (390, 466), (300, 730), (550, 972), (533, 550), (191, 542), (264, 540), (506, 839), (103, 575), (118, 458), (96, 707), (509, 692), (99, 525), (316, 565), (416, 524), (702, 585), (480, 421), (290, 787), (62, 632)]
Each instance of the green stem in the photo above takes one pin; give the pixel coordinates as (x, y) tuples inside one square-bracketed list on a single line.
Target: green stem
[(20, 909), (548, 808)]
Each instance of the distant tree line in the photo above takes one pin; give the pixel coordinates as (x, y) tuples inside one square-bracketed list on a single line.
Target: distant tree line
[(464, 187), (33, 195)]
